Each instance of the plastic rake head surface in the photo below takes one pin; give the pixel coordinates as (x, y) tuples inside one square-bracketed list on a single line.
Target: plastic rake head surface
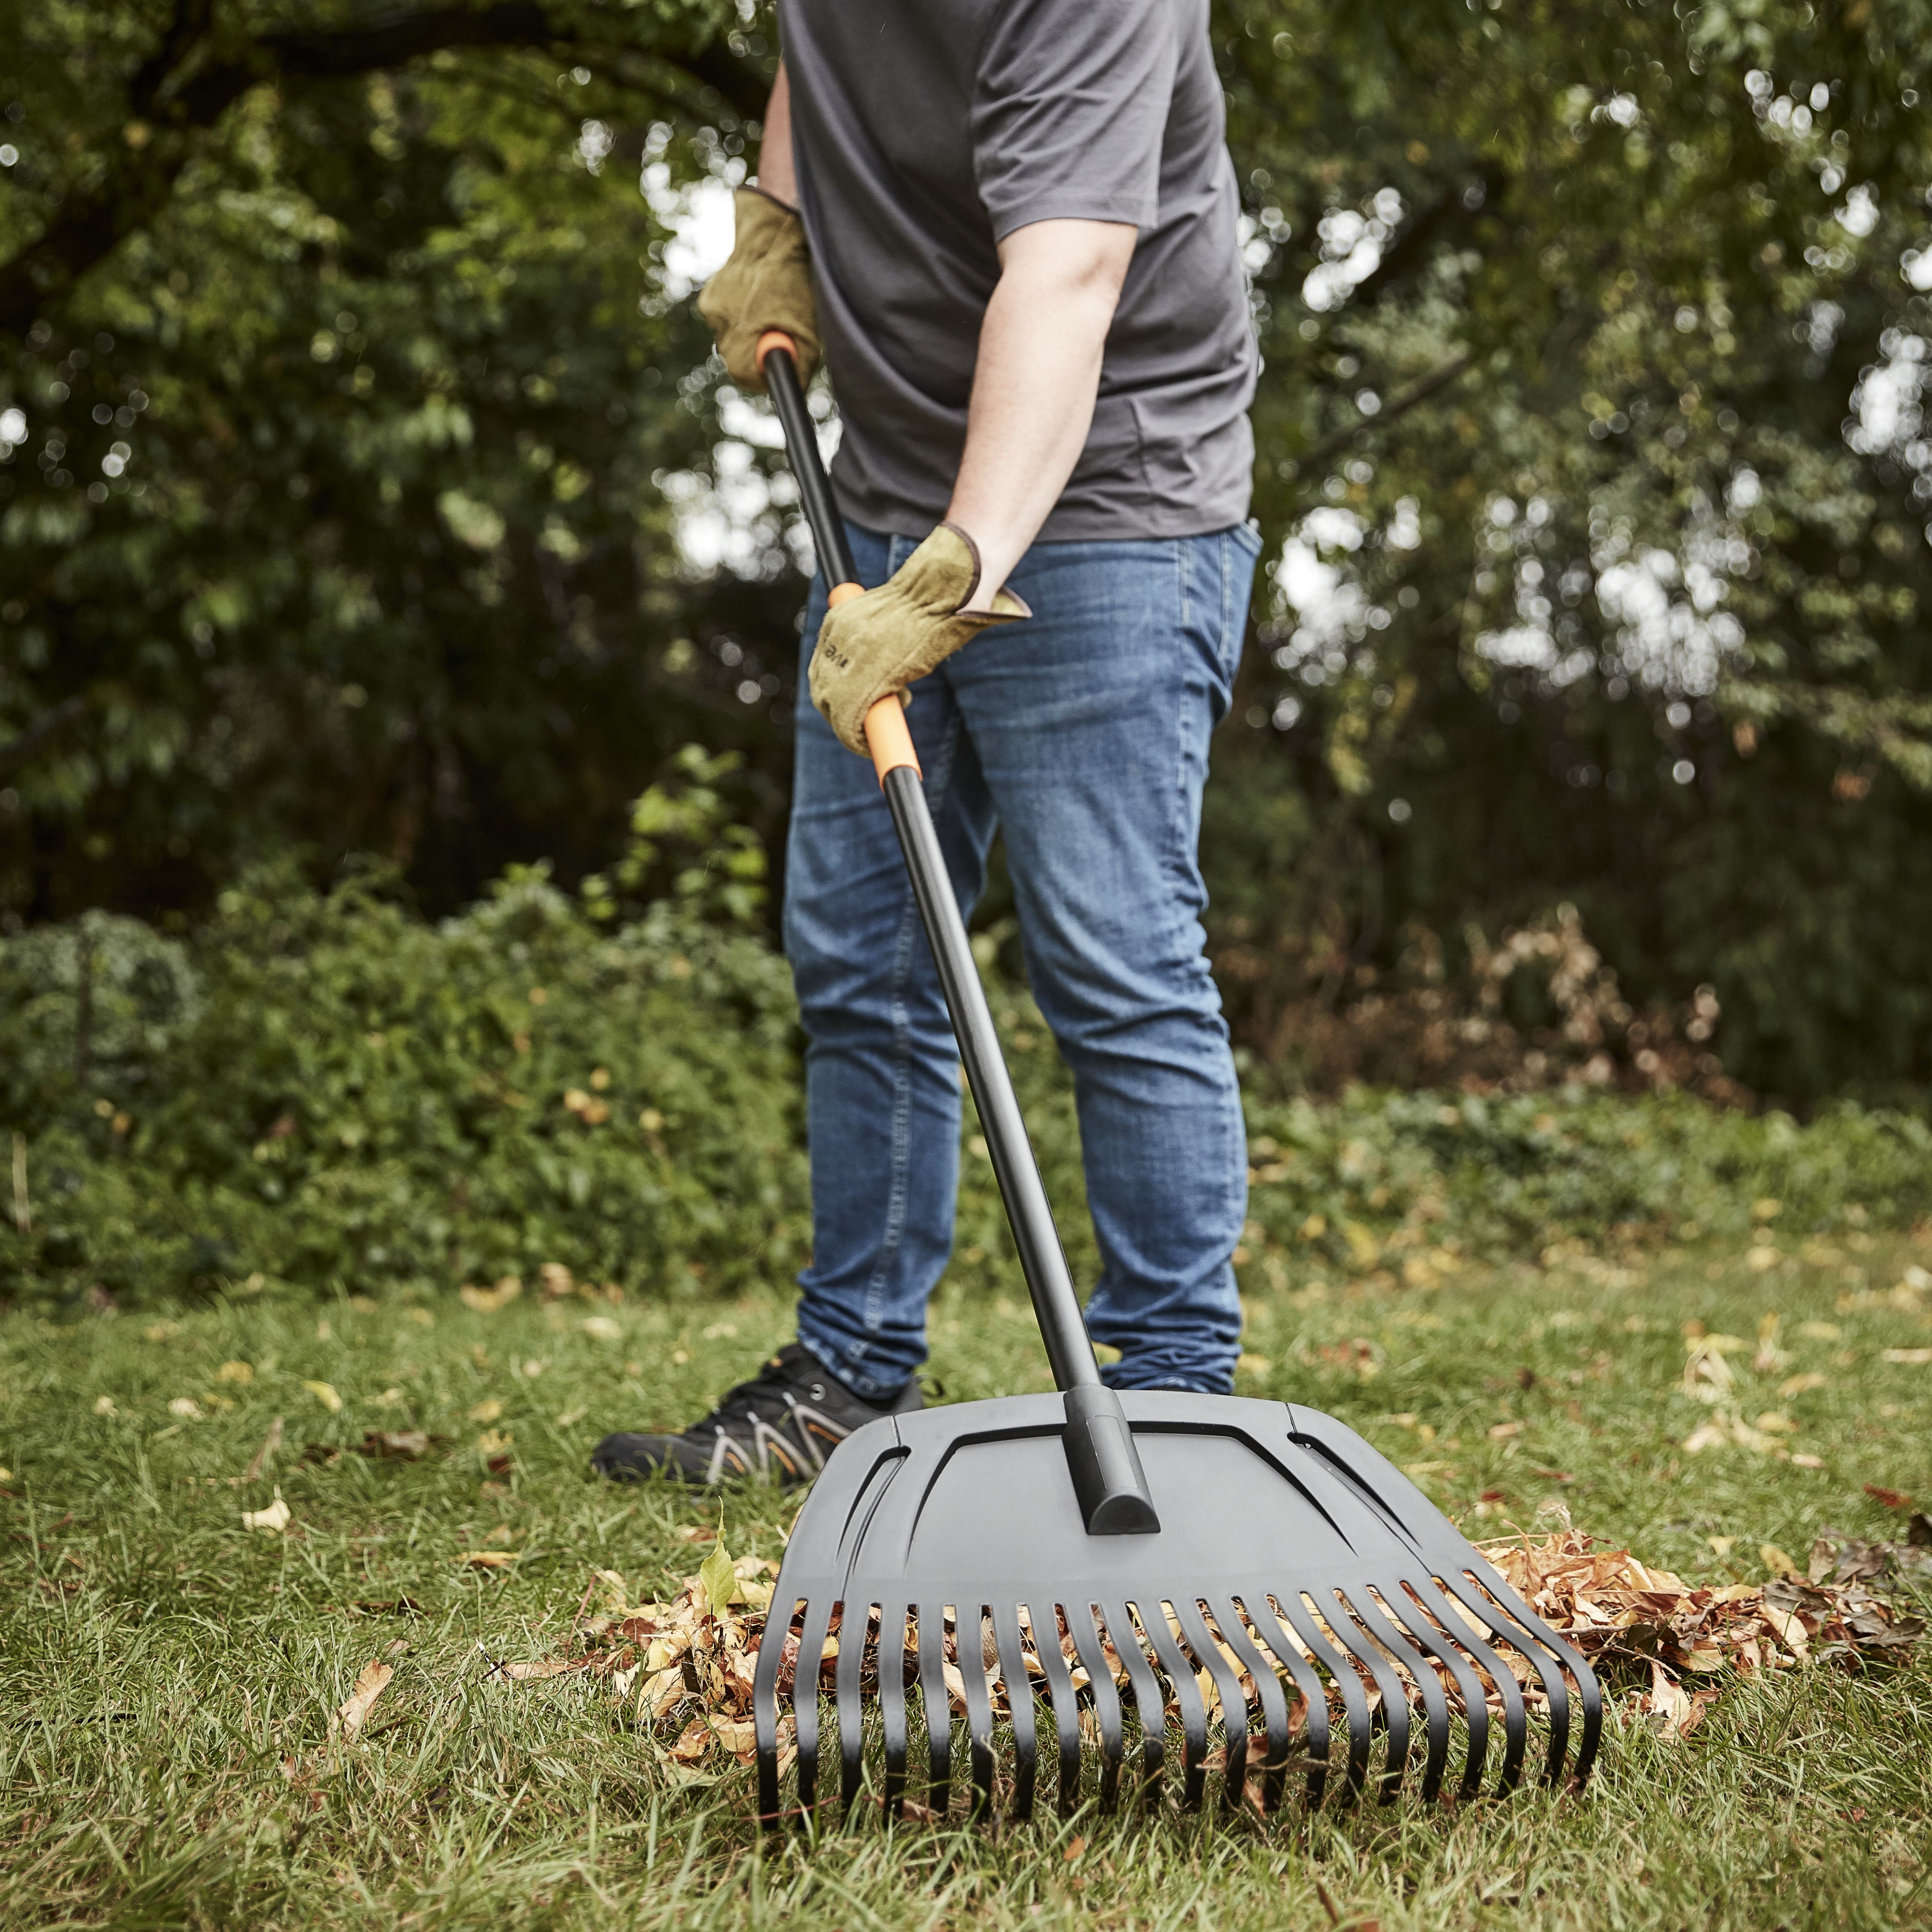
[(1305, 1615)]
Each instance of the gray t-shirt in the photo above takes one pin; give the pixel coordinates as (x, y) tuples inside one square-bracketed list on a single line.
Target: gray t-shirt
[(926, 131)]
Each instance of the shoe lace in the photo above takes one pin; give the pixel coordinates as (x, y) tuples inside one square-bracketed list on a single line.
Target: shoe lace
[(766, 1390)]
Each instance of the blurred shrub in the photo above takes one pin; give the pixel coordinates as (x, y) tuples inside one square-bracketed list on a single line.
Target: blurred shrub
[(327, 1090)]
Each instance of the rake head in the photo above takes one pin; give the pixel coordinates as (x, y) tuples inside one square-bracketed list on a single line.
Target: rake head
[(1301, 1599)]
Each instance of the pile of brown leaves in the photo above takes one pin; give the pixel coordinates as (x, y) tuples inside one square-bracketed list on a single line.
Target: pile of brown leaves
[(685, 1665), (1632, 1621)]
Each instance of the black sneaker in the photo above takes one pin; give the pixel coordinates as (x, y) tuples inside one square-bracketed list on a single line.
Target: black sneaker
[(780, 1425)]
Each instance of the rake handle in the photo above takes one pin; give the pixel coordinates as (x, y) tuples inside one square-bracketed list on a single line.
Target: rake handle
[(1105, 1467)]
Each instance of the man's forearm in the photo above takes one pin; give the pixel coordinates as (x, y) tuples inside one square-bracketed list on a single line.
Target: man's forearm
[(776, 175), (1034, 384)]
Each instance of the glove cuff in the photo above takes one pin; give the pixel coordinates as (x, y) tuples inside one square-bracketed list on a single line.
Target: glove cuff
[(1005, 603)]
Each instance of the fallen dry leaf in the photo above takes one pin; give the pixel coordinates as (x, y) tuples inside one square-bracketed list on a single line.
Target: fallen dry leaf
[(1891, 1499), (487, 1411), (325, 1395), (276, 1517), (488, 1301), (488, 1559), (1915, 1358), (602, 1328), (103, 1405), (240, 1373), (407, 1445), (355, 1709), (186, 1408)]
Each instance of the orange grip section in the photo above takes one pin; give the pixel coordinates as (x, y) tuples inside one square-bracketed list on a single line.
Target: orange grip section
[(774, 338), (888, 738), (839, 593)]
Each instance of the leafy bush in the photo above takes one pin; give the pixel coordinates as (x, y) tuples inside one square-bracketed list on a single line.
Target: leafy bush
[(328, 1091)]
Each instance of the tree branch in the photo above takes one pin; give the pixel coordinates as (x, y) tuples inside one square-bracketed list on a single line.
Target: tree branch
[(1399, 404), (183, 100)]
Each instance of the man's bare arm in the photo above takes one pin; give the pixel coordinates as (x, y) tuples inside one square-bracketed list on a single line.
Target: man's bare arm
[(776, 175), (1034, 384)]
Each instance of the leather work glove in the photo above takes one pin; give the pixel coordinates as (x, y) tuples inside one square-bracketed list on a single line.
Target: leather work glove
[(766, 284), (882, 640)]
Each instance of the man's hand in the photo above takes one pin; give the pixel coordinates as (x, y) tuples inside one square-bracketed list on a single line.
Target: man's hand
[(1033, 385), (767, 282), (876, 643)]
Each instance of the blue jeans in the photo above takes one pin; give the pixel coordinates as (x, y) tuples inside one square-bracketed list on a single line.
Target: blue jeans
[(1082, 733)]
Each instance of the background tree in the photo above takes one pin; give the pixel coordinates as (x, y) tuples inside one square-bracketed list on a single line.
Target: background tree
[(355, 410)]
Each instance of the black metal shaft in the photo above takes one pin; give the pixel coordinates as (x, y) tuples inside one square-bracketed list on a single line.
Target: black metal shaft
[(814, 487), (1068, 1351)]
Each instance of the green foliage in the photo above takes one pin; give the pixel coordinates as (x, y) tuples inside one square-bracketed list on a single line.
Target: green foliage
[(1596, 342), (338, 524), (328, 1090), (1595, 350)]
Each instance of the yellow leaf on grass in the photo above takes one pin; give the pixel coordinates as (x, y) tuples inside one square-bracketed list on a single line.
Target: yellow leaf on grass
[(571, 1417), (186, 1407), (1502, 1430), (1801, 1384), (1772, 1423), (487, 1412), (355, 1709), (736, 1734), (602, 1328), (1252, 1364), (488, 1559), (1775, 1560), (275, 1517), (488, 1301), (325, 1395), (693, 1741), (1907, 1357), (103, 1405), (240, 1372)]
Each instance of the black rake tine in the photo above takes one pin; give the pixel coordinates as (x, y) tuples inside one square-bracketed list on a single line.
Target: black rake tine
[(1173, 1660), (1019, 1700), (765, 1714), (1348, 1683), (805, 1700), (1149, 1705), (1227, 1681), (1266, 1671), (892, 1704), (1106, 1700), (979, 1709), (1588, 1694), (1394, 1697), (847, 1702), (938, 1707), (1066, 1702), (1515, 1624), (1435, 1706), (1461, 1637)]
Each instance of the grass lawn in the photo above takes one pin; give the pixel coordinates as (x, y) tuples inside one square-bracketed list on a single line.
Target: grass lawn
[(162, 1662)]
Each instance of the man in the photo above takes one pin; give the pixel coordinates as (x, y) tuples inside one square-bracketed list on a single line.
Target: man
[(1011, 225)]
